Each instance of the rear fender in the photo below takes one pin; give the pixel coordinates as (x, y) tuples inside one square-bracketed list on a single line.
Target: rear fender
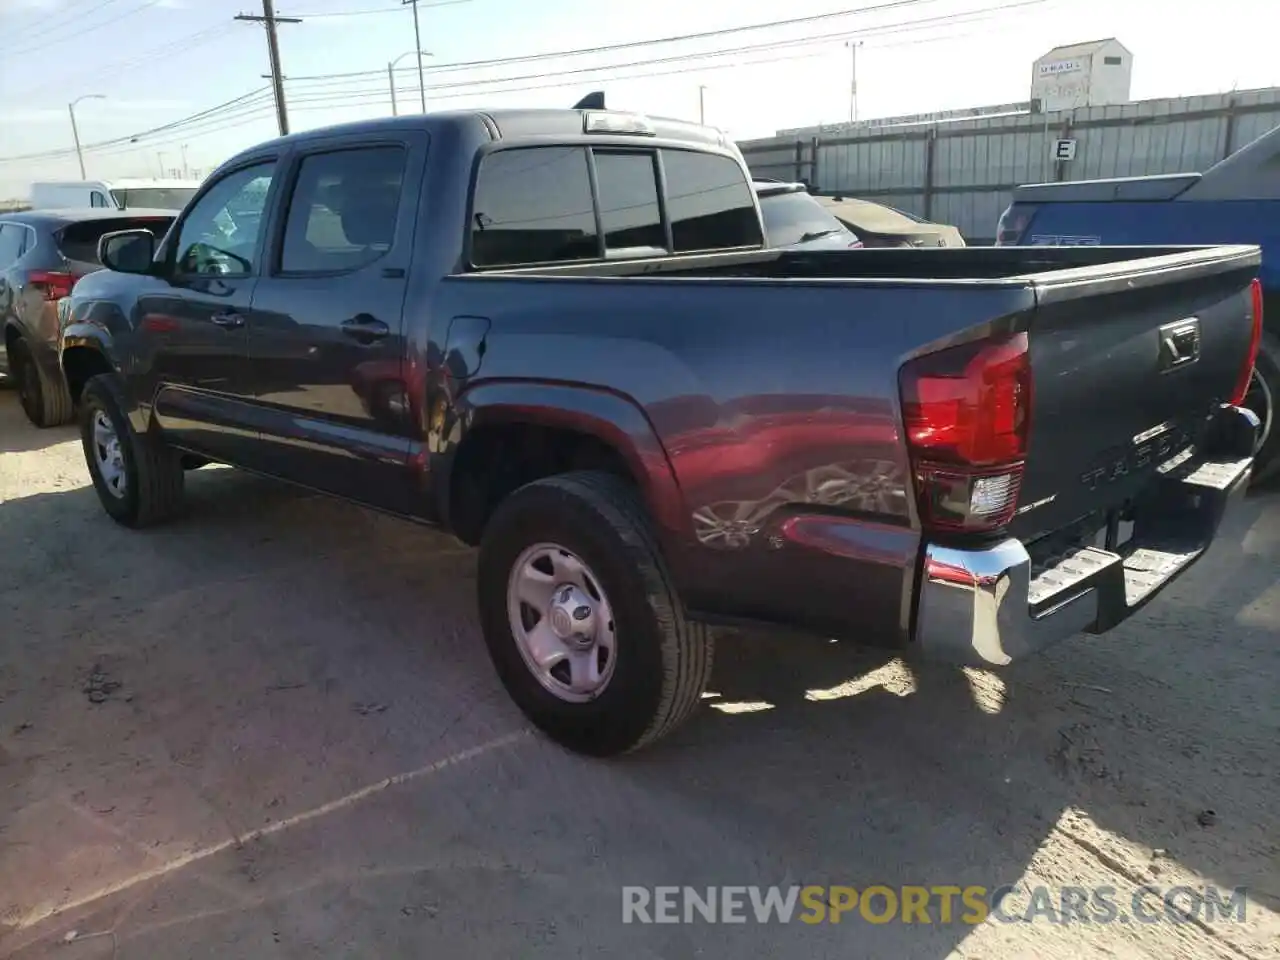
[(610, 418)]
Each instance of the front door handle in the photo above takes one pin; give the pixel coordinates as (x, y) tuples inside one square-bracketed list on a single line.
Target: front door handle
[(365, 329), (227, 321)]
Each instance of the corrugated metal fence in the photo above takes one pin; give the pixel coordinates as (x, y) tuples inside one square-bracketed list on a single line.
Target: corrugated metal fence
[(962, 172)]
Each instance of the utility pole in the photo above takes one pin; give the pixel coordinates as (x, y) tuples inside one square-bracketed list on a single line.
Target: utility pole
[(853, 46), (269, 20), (417, 45), (75, 131)]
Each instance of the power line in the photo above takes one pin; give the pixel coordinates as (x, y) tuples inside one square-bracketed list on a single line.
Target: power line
[(169, 48), (249, 107), (63, 37), (56, 24), (378, 11), (54, 154), (886, 29), (634, 44)]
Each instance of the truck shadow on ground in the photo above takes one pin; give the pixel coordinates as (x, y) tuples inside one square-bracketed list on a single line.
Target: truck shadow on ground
[(246, 632)]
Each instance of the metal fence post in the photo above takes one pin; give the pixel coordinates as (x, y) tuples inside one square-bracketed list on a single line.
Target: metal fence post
[(930, 144), (813, 163), (1229, 134)]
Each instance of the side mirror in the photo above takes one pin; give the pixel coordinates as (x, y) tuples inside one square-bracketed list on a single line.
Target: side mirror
[(127, 251)]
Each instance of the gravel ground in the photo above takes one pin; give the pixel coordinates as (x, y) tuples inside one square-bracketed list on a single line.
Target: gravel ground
[(270, 730)]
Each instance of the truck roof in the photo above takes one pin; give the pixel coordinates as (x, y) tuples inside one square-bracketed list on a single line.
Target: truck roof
[(514, 124)]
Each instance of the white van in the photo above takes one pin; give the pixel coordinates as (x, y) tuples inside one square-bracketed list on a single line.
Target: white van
[(113, 194)]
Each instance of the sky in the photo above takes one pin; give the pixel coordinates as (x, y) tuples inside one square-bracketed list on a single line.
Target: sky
[(144, 64)]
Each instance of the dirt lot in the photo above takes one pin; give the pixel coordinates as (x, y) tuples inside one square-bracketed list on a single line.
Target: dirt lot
[(270, 730)]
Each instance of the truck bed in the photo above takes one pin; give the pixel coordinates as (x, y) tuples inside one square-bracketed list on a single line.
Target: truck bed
[(718, 349)]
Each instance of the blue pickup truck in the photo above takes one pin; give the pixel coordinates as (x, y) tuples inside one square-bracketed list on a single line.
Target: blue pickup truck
[(1234, 201)]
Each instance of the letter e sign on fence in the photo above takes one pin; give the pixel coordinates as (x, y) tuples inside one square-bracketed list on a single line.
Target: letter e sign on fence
[(1064, 150)]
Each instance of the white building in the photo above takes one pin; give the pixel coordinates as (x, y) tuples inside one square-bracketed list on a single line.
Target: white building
[(1092, 74)]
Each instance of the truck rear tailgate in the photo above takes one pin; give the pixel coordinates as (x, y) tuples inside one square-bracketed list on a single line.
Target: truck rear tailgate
[(1129, 363)]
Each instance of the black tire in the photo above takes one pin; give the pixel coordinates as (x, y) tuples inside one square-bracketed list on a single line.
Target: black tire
[(663, 660), (153, 470), (1266, 460), (45, 400)]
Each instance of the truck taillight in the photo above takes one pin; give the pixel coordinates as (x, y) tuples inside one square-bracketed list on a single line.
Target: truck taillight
[(52, 284), (967, 413), (1255, 339)]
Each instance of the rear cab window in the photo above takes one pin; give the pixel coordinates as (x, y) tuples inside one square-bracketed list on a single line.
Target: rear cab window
[(566, 204)]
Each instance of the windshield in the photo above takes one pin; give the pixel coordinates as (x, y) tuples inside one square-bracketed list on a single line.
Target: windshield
[(154, 198), (791, 218)]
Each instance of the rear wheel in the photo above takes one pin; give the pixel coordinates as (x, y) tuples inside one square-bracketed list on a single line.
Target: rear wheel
[(581, 619), (138, 477), (1264, 388), (44, 399)]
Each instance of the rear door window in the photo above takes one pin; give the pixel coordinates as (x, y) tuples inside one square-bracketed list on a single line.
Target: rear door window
[(533, 205), (79, 241), (344, 209), (710, 203), (629, 211)]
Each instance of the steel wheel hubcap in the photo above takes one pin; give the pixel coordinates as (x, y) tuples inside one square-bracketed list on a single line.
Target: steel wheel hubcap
[(562, 622), (107, 453), (1259, 400)]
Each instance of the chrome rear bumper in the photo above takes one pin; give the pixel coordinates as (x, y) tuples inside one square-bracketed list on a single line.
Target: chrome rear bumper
[(990, 607)]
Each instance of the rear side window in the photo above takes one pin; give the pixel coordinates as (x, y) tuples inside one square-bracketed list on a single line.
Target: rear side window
[(12, 237), (79, 241), (343, 212), (796, 217), (533, 205), (710, 203), (97, 200), (629, 211)]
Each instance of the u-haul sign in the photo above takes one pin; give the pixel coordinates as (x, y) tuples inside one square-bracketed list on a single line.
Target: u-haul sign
[(1056, 67)]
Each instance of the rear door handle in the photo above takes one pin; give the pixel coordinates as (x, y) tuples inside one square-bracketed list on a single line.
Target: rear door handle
[(227, 321), (365, 328)]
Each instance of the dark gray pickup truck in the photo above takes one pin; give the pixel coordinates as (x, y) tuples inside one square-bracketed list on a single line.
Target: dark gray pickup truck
[(559, 334)]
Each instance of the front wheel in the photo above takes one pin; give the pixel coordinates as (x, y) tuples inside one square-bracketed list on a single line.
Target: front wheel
[(138, 477), (1264, 388), (581, 618)]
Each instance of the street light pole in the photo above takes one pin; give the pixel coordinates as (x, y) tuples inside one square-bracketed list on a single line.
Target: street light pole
[(391, 75), (417, 45), (702, 104), (75, 132)]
